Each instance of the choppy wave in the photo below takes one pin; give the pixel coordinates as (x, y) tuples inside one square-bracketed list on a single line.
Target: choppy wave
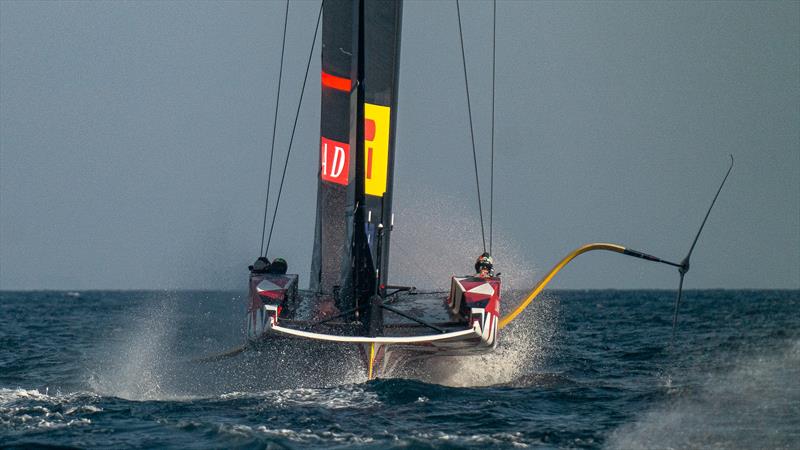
[(580, 370), (755, 404), (30, 410)]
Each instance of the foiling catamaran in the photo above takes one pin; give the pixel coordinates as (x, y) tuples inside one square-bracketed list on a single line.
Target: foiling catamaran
[(350, 300)]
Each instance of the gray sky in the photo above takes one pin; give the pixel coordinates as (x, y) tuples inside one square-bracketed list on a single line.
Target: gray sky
[(134, 140)]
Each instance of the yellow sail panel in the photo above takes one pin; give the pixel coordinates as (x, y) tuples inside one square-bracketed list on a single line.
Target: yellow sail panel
[(376, 148)]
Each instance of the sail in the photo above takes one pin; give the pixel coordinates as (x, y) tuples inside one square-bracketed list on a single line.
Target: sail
[(335, 189), (382, 26), (360, 56)]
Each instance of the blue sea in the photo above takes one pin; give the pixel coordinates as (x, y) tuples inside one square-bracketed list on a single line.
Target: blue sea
[(580, 369)]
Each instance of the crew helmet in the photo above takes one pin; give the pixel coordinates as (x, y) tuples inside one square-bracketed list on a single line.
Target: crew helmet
[(484, 261), (278, 266)]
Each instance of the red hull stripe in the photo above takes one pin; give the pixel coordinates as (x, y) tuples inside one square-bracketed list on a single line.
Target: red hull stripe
[(334, 82)]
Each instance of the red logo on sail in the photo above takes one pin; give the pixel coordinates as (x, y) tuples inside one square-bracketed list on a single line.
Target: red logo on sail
[(334, 161)]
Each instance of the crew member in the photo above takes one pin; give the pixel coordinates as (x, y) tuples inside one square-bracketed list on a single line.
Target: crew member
[(260, 266), (484, 266), (278, 266)]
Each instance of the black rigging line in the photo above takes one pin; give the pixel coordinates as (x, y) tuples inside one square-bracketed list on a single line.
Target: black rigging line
[(294, 126), (471, 133), (412, 318), (491, 173), (274, 127)]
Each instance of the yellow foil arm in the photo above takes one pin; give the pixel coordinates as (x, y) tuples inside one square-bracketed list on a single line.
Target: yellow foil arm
[(544, 281)]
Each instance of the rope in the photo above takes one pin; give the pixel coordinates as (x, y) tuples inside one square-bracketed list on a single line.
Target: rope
[(274, 127), (471, 133), (294, 126), (491, 173)]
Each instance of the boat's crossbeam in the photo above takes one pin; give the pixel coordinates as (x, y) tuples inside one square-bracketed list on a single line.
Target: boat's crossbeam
[(471, 332)]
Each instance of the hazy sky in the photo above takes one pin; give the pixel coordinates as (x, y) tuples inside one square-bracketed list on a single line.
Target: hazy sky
[(134, 140)]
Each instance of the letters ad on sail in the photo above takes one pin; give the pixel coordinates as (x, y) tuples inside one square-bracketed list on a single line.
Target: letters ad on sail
[(334, 161), (376, 148)]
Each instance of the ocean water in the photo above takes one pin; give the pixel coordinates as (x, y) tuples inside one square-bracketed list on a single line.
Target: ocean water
[(580, 369)]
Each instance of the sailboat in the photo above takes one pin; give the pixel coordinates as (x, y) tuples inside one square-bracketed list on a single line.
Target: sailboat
[(350, 300)]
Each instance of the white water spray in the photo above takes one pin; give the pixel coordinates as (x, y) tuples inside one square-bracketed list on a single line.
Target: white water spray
[(428, 249), (136, 361)]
